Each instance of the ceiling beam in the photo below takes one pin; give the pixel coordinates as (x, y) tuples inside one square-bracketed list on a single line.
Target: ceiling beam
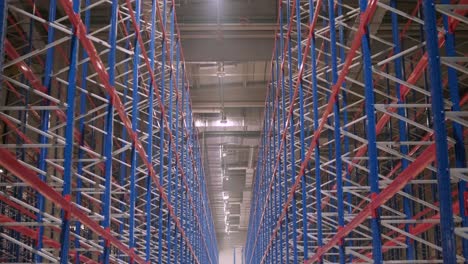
[(239, 50), (227, 104)]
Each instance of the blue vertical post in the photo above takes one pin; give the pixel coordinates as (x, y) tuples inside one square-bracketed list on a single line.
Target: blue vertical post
[(345, 120), (273, 152), (337, 132), (161, 135), (429, 120), (278, 143), (318, 182), (45, 117), (108, 139), (344, 104), (68, 151), (302, 134), (259, 199), (234, 255), (170, 124), (177, 67), (443, 174), (192, 235), (149, 147), (372, 141), (3, 29), (134, 160), (460, 154), (81, 128), (265, 227), (269, 166), (402, 129), (265, 179), (284, 117), (330, 207), (253, 207), (183, 163), (267, 169), (292, 150), (123, 155), (183, 193)]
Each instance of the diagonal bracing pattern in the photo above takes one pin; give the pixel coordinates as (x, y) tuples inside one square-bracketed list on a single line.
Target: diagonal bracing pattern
[(99, 156), (363, 147)]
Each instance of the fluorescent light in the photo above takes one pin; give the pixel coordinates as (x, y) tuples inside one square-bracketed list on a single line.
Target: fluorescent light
[(1, 170), (199, 123), (224, 154)]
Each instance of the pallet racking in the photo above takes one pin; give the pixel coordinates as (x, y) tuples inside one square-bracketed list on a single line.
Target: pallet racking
[(99, 156), (363, 153)]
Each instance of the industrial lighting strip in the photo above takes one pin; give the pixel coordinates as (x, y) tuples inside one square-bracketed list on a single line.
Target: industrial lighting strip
[(88, 152), (370, 109)]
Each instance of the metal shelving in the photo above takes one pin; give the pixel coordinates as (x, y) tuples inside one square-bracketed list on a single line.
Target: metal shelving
[(363, 150), (99, 156)]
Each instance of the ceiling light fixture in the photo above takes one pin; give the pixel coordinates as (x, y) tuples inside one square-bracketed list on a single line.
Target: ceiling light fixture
[(223, 118)]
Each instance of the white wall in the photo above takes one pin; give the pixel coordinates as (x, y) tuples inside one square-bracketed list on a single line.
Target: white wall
[(226, 256)]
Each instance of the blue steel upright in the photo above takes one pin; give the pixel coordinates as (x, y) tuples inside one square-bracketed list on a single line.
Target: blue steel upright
[(402, 128), (372, 142), (109, 137), (440, 131), (318, 181), (135, 121), (337, 132), (44, 125), (3, 27), (149, 148), (68, 152), (457, 130)]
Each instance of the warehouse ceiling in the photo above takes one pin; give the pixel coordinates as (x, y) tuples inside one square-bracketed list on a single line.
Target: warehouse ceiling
[(227, 48)]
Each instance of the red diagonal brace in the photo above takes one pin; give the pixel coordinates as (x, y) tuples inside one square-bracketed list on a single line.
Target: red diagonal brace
[(9, 162)]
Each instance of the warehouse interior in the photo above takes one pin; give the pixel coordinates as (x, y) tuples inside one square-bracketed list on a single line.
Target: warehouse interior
[(233, 131)]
